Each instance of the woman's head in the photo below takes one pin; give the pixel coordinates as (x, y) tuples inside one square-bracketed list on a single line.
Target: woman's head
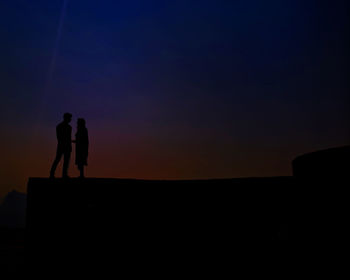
[(81, 122)]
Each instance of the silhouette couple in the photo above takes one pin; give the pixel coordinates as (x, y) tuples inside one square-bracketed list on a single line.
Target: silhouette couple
[(64, 145)]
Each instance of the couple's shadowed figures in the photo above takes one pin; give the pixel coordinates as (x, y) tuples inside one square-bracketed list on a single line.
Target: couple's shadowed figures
[(64, 146)]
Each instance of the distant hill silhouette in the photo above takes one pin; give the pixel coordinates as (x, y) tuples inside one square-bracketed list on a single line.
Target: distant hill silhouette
[(13, 210), (12, 234)]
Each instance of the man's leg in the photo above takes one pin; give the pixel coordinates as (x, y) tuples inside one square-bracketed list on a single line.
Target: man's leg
[(59, 154), (66, 164)]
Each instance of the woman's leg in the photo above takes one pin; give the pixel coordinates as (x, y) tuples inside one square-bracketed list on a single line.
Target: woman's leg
[(81, 169)]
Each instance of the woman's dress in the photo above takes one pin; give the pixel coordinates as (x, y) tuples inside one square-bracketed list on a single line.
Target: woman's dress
[(82, 147)]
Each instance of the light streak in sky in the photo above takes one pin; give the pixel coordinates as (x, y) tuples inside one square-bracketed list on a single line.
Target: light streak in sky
[(50, 74), (56, 46), (45, 98)]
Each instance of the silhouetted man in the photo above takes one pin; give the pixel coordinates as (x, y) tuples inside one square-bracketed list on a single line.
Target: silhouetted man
[(64, 145)]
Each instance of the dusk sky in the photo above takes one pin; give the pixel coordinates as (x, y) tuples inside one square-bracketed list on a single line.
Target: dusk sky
[(172, 89)]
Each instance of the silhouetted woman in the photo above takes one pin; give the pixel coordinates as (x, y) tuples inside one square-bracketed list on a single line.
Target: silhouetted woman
[(81, 146)]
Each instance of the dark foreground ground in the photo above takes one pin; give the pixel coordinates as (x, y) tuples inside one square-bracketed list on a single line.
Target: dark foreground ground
[(139, 228), (99, 224), (277, 227), (116, 227)]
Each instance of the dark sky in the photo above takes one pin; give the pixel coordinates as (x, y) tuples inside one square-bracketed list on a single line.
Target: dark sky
[(173, 89)]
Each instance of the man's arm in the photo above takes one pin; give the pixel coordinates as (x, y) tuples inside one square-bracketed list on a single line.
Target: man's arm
[(57, 133)]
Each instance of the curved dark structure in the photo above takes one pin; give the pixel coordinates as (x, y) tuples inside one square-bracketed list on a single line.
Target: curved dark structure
[(331, 163)]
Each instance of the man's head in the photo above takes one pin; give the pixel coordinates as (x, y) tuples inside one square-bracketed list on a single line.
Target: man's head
[(67, 117)]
